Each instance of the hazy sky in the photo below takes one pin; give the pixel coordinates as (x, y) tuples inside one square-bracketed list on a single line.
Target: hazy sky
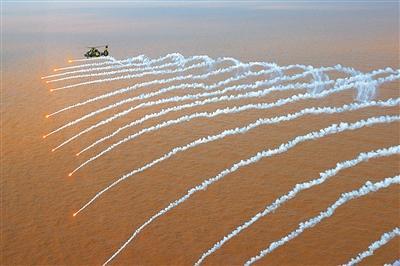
[(273, 30)]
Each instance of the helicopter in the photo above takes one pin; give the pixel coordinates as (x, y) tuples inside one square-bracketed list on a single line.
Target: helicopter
[(94, 52)]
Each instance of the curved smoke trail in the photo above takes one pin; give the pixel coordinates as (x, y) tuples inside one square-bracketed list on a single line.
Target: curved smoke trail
[(144, 59), (140, 97), (261, 93), (245, 129), (231, 110), (260, 122), (316, 84), (137, 67), (159, 72), (174, 87), (344, 198), (187, 97), (119, 64), (178, 78), (177, 62), (91, 59), (333, 129), (201, 95), (385, 238), (362, 157), (142, 65), (111, 61), (255, 85), (395, 263)]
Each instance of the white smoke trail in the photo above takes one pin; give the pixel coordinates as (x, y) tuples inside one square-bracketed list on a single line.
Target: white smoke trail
[(321, 77), (255, 85), (90, 59), (111, 61), (367, 93), (344, 198), (257, 123), (228, 110), (173, 99), (179, 78), (362, 157), (268, 121), (395, 263), (202, 95), (138, 67), (119, 64), (187, 97), (385, 238), (143, 96), (177, 108), (141, 58), (178, 62), (333, 129), (273, 68), (159, 72)]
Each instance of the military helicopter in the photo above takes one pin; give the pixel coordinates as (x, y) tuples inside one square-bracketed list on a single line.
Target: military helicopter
[(94, 52)]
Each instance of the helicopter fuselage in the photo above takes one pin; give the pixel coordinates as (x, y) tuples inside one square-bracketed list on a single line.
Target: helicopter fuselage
[(94, 52)]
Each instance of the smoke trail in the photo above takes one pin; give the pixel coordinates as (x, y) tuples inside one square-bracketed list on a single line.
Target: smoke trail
[(333, 129), (138, 67), (228, 110), (199, 103), (147, 83), (273, 69), (178, 62), (162, 81), (112, 61), (173, 99), (196, 96), (257, 123), (255, 85), (188, 97), (90, 59), (362, 157), (268, 121), (395, 263), (321, 77), (119, 64), (160, 72), (140, 97), (168, 110), (366, 93), (144, 59), (385, 238), (344, 198)]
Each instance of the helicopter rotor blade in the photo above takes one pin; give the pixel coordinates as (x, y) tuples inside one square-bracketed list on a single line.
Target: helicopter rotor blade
[(97, 46)]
